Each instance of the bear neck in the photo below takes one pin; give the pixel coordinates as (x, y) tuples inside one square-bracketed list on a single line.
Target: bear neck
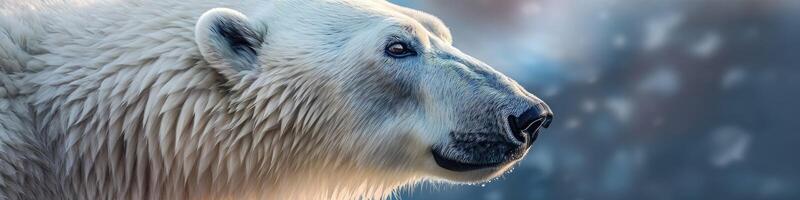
[(197, 138)]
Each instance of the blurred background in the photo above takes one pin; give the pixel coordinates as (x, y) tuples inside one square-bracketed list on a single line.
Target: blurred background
[(654, 99)]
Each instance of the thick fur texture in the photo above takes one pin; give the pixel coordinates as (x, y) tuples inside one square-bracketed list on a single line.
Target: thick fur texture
[(146, 99)]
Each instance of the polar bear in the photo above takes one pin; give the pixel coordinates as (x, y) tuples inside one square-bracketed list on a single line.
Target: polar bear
[(281, 99)]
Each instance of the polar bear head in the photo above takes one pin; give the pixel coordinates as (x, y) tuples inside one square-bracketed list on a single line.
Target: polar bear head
[(368, 87)]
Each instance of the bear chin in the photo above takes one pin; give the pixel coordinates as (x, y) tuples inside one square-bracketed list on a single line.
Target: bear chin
[(469, 176)]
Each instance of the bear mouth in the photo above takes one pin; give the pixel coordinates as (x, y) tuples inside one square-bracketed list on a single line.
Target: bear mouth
[(467, 151), (460, 166)]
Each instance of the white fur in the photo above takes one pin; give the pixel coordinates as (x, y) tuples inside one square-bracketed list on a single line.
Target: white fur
[(110, 99)]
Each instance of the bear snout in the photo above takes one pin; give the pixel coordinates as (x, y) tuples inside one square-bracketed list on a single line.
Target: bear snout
[(495, 147)]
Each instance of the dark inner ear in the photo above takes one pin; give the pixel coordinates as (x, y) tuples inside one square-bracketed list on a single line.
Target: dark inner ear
[(240, 38)]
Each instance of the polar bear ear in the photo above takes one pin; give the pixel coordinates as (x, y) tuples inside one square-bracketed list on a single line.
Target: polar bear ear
[(228, 42)]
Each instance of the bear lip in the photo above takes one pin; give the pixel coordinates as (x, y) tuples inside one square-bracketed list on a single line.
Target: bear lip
[(459, 166)]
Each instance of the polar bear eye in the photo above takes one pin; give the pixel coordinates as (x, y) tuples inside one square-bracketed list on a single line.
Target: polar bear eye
[(399, 50)]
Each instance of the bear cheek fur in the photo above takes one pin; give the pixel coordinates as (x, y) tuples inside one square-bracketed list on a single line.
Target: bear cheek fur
[(387, 98)]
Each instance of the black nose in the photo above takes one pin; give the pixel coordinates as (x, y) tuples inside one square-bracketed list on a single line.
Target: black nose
[(527, 124)]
